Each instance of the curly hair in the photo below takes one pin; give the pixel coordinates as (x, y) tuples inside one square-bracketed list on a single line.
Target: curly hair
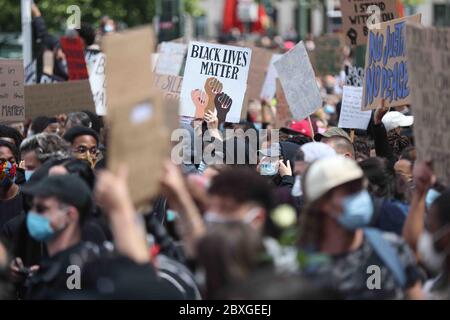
[(46, 146)]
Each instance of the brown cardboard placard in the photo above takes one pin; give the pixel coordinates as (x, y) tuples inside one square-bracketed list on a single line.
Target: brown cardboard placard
[(128, 55), (327, 57), (258, 71), (56, 98), (169, 85), (12, 97), (355, 18), (138, 138), (429, 70), (386, 68)]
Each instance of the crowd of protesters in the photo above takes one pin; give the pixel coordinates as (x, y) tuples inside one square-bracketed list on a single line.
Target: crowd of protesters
[(323, 214)]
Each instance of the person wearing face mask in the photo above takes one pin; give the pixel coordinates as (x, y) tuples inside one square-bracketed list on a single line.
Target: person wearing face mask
[(338, 211), (60, 206), (84, 143), (11, 203), (434, 248)]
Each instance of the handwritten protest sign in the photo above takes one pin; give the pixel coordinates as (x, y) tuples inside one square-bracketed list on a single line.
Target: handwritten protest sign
[(96, 66), (355, 17), (429, 68), (169, 85), (73, 48), (138, 136), (351, 115), (386, 71), (270, 82), (170, 58), (124, 71), (258, 70), (299, 82), (327, 57), (12, 91), (56, 98), (215, 78)]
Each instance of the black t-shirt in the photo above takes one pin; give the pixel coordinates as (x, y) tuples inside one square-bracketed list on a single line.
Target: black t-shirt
[(52, 278), (10, 209)]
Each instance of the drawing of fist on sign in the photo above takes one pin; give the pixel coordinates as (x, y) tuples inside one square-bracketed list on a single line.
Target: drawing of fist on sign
[(200, 99), (223, 104), (212, 87)]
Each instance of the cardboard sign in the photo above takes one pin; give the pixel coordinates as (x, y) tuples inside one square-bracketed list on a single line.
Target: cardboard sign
[(283, 115), (299, 82), (386, 70), (96, 62), (139, 139), (124, 71), (57, 98), (170, 58), (351, 115), (429, 70), (258, 70), (215, 78), (12, 100), (270, 82), (138, 136), (355, 17), (76, 64), (327, 57), (169, 85)]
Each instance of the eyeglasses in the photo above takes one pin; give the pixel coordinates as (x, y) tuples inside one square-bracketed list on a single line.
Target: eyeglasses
[(82, 150)]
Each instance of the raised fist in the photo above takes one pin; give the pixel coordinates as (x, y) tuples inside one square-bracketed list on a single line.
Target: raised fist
[(223, 104), (212, 87), (200, 100)]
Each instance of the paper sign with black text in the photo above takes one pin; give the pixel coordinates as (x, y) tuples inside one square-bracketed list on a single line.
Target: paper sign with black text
[(351, 116), (12, 100), (215, 78)]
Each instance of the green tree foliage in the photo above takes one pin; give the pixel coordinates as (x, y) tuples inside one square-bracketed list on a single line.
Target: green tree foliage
[(132, 13)]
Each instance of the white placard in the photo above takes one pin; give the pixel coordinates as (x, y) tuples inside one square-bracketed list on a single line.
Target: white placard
[(351, 115)]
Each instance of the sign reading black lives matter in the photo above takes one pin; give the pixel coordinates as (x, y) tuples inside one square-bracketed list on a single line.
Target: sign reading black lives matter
[(12, 91), (355, 18), (215, 79)]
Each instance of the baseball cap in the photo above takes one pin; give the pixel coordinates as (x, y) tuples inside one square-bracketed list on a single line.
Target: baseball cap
[(327, 174), (69, 189), (395, 119), (302, 127), (332, 132)]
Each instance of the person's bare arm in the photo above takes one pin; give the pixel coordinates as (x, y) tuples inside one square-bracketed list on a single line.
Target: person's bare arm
[(415, 292), (414, 224), (190, 225), (127, 226)]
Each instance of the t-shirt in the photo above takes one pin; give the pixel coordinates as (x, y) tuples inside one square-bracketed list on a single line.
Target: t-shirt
[(52, 278), (10, 209), (350, 275)]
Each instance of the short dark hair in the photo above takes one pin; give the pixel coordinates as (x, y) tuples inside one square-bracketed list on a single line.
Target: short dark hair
[(442, 204), (11, 147), (8, 132), (40, 123), (87, 32), (243, 185), (76, 132)]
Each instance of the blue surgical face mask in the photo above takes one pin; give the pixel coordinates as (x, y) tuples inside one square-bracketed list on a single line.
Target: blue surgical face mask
[(297, 188), (257, 125), (28, 174), (431, 196), (39, 227), (269, 169), (358, 211)]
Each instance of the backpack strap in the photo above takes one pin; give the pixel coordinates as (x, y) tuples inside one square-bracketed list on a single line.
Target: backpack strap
[(387, 254)]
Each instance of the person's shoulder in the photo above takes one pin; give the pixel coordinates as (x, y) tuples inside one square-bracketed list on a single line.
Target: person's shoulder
[(394, 239)]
